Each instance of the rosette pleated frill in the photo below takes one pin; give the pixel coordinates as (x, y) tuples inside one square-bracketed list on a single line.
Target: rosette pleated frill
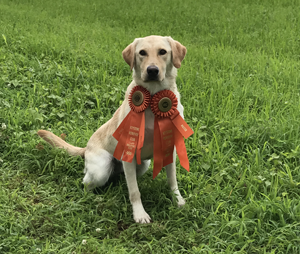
[(169, 129)]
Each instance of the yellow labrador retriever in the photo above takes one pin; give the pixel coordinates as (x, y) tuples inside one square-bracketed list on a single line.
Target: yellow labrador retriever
[(154, 61)]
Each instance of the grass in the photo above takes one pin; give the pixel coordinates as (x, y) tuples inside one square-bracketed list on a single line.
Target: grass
[(61, 69)]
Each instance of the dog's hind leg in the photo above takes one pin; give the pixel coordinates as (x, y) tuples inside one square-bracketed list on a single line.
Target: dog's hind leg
[(171, 175), (98, 168)]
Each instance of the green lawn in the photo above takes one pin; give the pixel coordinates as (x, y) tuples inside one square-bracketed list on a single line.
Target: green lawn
[(61, 68)]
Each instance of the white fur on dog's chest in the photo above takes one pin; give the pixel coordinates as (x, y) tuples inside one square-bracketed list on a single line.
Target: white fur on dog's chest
[(147, 150)]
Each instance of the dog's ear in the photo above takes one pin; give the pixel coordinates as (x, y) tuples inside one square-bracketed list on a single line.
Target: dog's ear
[(128, 54), (178, 52)]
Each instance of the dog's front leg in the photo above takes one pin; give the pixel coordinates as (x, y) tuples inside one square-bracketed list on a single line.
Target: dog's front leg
[(139, 214), (171, 174)]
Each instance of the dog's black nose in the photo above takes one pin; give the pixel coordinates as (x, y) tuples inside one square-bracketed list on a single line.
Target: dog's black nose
[(152, 72)]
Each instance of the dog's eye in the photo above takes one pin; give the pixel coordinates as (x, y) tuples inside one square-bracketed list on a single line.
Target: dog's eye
[(162, 52), (143, 53)]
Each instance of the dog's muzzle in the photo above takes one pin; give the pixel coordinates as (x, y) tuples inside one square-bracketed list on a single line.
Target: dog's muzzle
[(152, 72)]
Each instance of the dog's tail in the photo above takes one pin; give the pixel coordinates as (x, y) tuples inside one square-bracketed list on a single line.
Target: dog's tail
[(56, 141)]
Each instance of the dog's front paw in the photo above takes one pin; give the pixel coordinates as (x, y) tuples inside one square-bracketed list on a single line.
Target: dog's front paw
[(141, 217), (180, 201)]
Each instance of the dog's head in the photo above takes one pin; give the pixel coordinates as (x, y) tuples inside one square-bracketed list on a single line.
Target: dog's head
[(153, 58)]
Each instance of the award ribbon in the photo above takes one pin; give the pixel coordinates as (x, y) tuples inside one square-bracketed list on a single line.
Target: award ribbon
[(130, 133), (169, 130)]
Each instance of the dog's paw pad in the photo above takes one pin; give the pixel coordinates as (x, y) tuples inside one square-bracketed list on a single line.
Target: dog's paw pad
[(180, 202), (142, 217)]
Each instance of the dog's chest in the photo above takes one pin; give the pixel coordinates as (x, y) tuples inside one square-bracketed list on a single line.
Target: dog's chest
[(147, 150)]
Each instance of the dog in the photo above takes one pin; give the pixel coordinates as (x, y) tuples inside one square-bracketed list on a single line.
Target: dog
[(154, 61)]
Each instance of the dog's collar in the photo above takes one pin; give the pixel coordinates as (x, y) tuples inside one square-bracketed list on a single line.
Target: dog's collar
[(169, 129)]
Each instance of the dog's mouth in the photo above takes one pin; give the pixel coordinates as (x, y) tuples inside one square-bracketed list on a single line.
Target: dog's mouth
[(152, 79)]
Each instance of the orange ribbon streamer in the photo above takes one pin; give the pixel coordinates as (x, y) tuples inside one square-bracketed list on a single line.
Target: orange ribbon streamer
[(169, 130), (130, 134)]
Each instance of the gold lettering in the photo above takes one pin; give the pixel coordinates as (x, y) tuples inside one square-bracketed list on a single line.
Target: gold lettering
[(130, 146), (168, 137), (134, 128), (168, 142), (167, 132), (132, 139), (133, 133), (185, 129)]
